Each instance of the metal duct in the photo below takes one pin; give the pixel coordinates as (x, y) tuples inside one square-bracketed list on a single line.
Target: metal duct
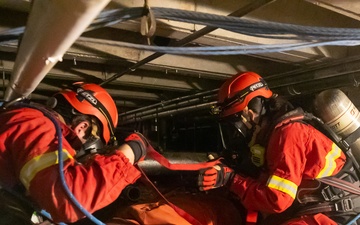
[(179, 106), (52, 27), (152, 167), (171, 112)]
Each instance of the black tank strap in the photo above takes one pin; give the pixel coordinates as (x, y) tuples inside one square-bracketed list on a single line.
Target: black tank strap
[(349, 205), (353, 137)]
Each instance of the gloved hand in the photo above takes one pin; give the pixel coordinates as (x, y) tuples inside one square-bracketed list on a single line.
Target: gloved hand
[(139, 144), (214, 177)]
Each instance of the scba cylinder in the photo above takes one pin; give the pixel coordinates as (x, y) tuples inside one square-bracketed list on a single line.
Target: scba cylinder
[(341, 115)]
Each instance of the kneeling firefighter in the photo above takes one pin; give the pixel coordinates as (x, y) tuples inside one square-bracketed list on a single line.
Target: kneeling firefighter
[(289, 154), (85, 116)]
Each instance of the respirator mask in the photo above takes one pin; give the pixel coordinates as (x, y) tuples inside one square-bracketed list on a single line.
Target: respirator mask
[(91, 146), (234, 133), (239, 128)]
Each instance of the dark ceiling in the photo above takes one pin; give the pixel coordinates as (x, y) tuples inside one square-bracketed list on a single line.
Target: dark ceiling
[(149, 85)]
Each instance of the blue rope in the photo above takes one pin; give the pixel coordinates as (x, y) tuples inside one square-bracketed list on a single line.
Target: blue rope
[(353, 221), (223, 50), (47, 215), (251, 27), (239, 25)]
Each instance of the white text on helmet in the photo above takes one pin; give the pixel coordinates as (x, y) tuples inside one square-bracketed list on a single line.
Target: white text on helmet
[(87, 95), (256, 86)]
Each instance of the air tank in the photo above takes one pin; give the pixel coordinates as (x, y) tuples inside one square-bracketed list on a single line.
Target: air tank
[(341, 115)]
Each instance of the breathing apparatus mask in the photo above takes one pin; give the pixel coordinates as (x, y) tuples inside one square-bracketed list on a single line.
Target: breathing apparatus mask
[(239, 133), (233, 133), (239, 127)]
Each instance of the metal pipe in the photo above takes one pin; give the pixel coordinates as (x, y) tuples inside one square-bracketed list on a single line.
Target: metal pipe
[(241, 12), (313, 86), (52, 27), (152, 167), (314, 68), (163, 103), (168, 107), (163, 108), (315, 81), (169, 112)]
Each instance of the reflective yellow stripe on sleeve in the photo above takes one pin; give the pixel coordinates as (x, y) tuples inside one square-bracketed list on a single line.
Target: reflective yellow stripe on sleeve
[(330, 164), (283, 185), (35, 165)]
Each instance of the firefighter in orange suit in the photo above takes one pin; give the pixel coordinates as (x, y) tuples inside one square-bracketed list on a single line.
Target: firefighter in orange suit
[(87, 116), (285, 150)]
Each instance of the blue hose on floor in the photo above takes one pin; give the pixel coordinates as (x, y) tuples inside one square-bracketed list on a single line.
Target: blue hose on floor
[(353, 221)]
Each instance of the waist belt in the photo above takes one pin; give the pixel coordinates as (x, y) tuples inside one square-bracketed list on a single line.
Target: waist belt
[(349, 205), (343, 205)]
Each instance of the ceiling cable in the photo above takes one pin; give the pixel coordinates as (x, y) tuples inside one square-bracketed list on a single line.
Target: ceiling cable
[(241, 12)]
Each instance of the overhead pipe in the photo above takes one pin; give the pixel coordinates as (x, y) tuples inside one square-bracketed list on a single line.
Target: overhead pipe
[(175, 101), (315, 81), (164, 103), (171, 112), (239, 13), (353, 60), (335, 74), (309, 87), (334, 69), (178, 105), (52, 27)]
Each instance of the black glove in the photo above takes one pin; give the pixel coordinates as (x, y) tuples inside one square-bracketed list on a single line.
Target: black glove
[(139, 144), (214, 177)]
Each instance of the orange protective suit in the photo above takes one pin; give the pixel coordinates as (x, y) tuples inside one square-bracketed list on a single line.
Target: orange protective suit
[(28, 156), (295, 152)]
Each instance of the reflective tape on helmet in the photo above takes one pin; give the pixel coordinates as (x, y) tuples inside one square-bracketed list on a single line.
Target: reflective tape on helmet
[(283, 185), (38, 163), (330, 163)]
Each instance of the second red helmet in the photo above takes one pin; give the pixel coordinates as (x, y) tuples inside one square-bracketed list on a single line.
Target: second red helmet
[(235, 94)]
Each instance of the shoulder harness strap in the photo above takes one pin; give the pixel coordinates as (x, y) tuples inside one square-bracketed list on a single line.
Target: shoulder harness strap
[(296, 115)]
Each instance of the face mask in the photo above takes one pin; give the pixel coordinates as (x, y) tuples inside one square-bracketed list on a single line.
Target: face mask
[(91, 146), (247, 126), (233, 133)]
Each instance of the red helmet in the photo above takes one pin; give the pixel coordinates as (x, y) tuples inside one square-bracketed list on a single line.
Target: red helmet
[(91, 99), (235, 94)]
